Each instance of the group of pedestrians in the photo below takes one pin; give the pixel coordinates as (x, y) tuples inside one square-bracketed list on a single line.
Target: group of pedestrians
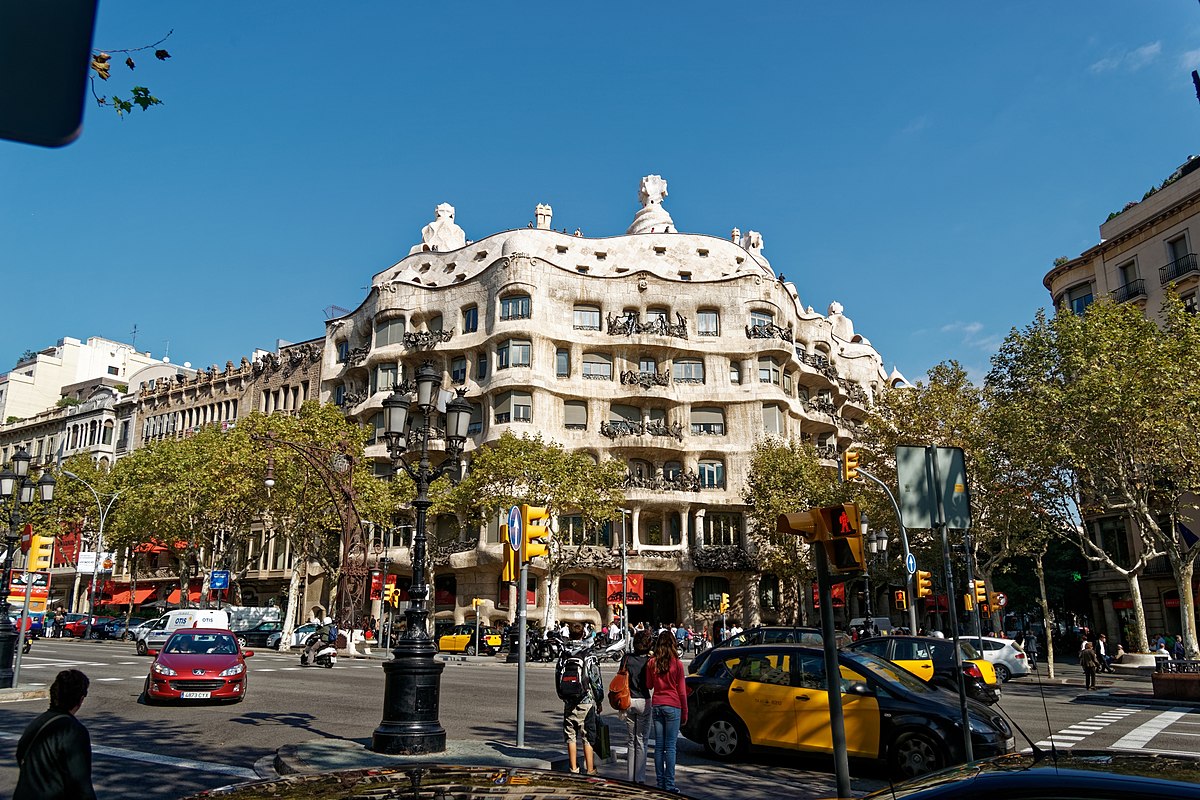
[(658, 700)]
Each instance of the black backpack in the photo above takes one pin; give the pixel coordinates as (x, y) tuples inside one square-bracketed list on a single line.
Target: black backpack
[(571, 679)]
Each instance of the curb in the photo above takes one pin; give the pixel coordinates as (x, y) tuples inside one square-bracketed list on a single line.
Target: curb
[(1125, 698), (332, 755), (18, 695)]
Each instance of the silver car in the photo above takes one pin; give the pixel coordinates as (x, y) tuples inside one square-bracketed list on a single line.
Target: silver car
[(1005, 655)]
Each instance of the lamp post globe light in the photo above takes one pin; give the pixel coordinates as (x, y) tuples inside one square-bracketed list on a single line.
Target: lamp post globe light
[(16, 490), (412, 679)]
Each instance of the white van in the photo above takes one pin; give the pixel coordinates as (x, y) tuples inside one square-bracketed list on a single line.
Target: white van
[(155, 635)]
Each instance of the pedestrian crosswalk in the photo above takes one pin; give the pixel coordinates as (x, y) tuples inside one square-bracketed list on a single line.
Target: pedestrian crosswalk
[(1079, 732)]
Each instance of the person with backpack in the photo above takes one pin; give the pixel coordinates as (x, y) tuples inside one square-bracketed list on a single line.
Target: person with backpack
[(54, 754), (637, 716), (668, 687), (578, 684)]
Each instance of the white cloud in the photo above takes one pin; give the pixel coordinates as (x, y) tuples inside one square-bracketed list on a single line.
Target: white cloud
[(916, 126), (1190, 60), (1130, 61), (968, 328)]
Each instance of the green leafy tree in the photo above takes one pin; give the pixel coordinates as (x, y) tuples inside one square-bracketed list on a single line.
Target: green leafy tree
[(786, 476), (512, 471), (1107, 403)]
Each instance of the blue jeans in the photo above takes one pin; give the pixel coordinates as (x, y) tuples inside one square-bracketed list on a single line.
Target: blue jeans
[(666, 731)]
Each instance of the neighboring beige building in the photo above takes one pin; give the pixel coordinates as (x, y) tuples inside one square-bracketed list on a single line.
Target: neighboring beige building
[(1145, 251), (673, 352), (35, 384)]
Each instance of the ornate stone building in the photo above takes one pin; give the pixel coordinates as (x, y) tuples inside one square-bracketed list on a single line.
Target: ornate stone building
[(673, 352)]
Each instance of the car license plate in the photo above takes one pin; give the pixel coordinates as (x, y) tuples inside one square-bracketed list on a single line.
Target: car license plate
[(195, 695)]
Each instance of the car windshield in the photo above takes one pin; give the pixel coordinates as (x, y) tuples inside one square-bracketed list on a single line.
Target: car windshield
[(202, 644), (889, 672), (967, 650)]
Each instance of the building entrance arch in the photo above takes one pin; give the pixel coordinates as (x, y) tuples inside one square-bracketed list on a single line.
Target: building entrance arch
[(660, 605)]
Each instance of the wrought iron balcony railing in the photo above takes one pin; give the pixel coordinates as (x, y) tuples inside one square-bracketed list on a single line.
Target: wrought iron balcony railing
[(629, 324), (423, 340), (1178, 268), (769, 330), (645, 380), (1130, 291)]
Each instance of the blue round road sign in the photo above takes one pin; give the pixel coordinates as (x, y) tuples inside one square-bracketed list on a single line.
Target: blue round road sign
[(514, 527), (910, 564)]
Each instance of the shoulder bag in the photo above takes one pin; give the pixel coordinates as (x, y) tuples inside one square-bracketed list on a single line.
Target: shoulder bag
[(618, 689)]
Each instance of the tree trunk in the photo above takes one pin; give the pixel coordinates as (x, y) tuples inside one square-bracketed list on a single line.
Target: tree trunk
[(1184, 569), (1047, 616), (551, 599), (1140, 643), (289, 611)]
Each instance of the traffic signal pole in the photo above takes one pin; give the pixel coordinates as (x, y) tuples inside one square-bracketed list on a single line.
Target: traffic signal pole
[(833, 675), (522, 613), (912, 580)]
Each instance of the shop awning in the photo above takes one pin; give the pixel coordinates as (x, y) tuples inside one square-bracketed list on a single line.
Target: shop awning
[(193, 596), (121, 596)]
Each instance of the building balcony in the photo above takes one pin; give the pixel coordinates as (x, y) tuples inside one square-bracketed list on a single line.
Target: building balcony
[(1130, 291), (646, 380), (630, 324), (617, 428), (681, 482), (770, 331), (1178, 269), (424, 340)]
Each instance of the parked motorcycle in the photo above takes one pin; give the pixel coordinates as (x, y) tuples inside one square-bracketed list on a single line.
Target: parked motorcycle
[(323, 653), (614, 651)]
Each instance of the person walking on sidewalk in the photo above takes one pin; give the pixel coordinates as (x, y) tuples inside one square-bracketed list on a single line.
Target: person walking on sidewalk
[(637, 716), (669, 703), (1091, 664)]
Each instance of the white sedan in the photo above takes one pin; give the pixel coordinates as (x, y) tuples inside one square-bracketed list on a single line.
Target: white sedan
[(1005, 655), (298, 636)]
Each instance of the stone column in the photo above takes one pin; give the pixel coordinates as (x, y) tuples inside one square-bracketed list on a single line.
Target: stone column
[(753, 613), (635, 539), (686, 588), (700, 527)]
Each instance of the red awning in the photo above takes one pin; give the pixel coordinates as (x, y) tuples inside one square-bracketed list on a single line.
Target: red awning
[(193, 596), (155, 546), (121, 598)]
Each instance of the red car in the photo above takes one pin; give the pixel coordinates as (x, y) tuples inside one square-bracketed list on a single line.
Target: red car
[(198, 664), (78, 627)]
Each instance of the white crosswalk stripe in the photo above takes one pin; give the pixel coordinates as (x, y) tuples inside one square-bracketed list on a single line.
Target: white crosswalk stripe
[(1078, 732)]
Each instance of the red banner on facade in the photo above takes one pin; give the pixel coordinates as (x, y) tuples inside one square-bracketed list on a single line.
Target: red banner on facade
[(634, 594), (41, 585)]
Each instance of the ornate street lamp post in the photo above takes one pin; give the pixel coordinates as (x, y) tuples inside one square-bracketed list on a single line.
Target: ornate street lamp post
[(877, 542), (16, 486), (412, 679)]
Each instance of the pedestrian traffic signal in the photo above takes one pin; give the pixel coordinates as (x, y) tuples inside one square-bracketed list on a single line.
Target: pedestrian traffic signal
[(724, 606), (376, 584), (535, 530), (980, 588), (844, 546), (968, 602), (850, 466), (924, 584), (900, 599)]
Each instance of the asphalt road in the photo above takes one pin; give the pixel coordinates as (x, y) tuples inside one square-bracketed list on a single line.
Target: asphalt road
[(152, 752)]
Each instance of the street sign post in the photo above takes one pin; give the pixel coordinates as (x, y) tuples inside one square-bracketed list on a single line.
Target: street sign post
[(219, 580), (515, 533)]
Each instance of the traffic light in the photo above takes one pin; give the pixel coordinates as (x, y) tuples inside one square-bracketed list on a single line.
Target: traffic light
[(41, 553), (392, 595), (968, 602), (535, 532), (844, 546), (850, 466), (809, 525), (924, 584), (981, 595), (512, 569), (900, 599), (724, 606), (994, 601), (376, 584)]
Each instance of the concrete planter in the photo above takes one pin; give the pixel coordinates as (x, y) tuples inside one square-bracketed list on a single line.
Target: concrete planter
[(1176, 685)]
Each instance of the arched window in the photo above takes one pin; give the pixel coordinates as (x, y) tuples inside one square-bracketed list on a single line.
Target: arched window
[(513, 353), (597, 366), (470, 319), (769, 592), (515, 306), (108, 432), (562, 363), (390, 331), (575, 415), (772, 419), (709, 421), (722, 528), (708, 322), (435, 323), (689, 370), (577, 590), (712, 474), (768, 370), (586, 318), (672, 469), (619, 412), (514, 406), (641, 469)]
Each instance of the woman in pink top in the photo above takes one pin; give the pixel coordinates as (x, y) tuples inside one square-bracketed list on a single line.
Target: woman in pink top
[(665, 677)]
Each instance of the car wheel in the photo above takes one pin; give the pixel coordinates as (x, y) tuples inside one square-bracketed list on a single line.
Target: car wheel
[(146, 698), (141, 647), (470, 650), (915, 753), (242, 642), (94, 634), (724, 737), (1003, 674)]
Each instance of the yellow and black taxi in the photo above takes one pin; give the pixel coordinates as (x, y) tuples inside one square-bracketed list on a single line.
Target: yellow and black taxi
[(775, 696), (461, 639), (932, 660)]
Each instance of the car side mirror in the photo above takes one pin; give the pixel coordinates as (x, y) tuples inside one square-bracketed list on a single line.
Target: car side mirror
[(859, 688), (151, 652), (247, 653)]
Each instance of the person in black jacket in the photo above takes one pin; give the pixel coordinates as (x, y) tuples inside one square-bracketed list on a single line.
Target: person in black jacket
[(637, 717), (55, 751)]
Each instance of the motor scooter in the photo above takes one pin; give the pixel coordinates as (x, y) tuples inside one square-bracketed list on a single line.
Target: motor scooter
[(324, 654), (614, 651)]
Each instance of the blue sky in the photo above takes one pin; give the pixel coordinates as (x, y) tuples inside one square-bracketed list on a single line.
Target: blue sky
[(921, 163)]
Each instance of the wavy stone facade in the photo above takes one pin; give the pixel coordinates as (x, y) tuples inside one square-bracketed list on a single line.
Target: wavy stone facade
[(673, 352)]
